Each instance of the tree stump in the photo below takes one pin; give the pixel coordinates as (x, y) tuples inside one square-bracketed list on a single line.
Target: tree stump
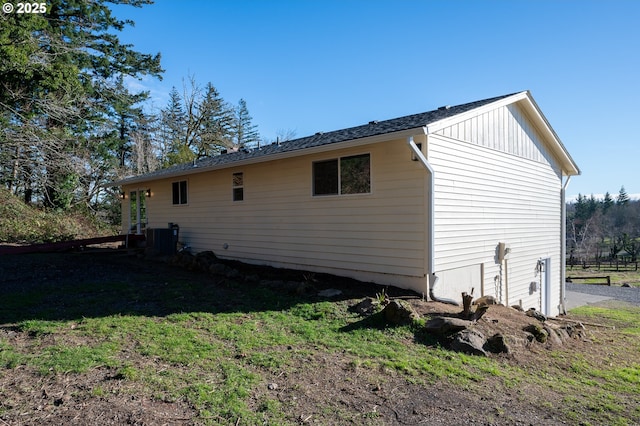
[(466, 304)]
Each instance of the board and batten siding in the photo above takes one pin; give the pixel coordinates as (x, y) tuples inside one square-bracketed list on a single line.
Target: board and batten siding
[(377, 237), (489, 191)]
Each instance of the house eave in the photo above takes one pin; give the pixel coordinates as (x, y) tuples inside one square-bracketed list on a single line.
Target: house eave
[(402, 134)]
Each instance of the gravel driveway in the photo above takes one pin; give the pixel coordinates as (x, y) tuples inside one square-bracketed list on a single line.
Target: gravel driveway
[(627, 294)]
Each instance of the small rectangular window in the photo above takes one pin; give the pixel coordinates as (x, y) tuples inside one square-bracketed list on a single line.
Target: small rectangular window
[(346, 175), (238, 186), (179, 192), (325, 177), (355, 175)]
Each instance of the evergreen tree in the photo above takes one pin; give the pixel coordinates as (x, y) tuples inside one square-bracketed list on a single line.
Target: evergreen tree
[(196, 125), (623, 197), (216, 131), (246, 133), (125, 113), (54, 68), (174, 131), (607, 202)]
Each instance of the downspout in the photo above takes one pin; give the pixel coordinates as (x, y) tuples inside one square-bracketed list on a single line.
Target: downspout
[(433, 279), (563, 245)]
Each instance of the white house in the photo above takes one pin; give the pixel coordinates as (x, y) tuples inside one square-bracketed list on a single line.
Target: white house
[(469, 196)]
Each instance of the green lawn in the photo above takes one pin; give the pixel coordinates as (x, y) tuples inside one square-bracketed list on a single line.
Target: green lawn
[(215, 346)]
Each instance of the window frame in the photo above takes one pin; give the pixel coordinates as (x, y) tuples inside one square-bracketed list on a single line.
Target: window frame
[(183, 195), (339, 176), (237, 189)]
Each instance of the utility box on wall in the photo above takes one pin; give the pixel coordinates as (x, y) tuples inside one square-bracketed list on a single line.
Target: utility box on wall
[(503, 251)]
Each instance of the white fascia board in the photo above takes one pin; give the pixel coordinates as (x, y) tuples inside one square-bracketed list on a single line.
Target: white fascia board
[(569, 167), (278, 156)]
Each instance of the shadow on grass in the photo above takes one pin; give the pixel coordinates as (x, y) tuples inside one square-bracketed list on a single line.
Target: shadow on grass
[(377, 321), (71, 286)]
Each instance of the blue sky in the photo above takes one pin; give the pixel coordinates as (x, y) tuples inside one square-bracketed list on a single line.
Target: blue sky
[(309, 66)]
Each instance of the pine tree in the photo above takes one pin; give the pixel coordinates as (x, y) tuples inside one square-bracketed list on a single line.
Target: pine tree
[(607, 202), (216, 132), (174, 131), (623, 197), (246, 133), (54, 68)]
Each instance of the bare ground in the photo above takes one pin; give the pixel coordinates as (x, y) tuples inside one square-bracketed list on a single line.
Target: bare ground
[(323, 388)]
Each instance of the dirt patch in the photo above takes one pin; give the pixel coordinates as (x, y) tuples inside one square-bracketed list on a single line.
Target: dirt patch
[(319, 388)]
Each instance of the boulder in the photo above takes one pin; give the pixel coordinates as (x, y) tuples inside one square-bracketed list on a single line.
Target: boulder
[(399, 312), (366, 306), (533, 313), (470, 342), (446, 325), (207, 255), (205, 259), (329, 292), (497, 344), (538, 332), (485, 300), (553, 336)]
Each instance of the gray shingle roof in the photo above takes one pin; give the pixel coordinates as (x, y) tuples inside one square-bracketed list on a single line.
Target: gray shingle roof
[(373, 128)]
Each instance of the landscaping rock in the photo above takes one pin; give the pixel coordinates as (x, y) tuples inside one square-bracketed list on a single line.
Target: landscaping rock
[(399, 312), (366, 306), (485, 300), (538, 332), (470, 342), (575, 331), (497, 344), (207, 255), (329, 292), (533, 313), (445, 326), (563, 334), (553, 336), (205, 259)]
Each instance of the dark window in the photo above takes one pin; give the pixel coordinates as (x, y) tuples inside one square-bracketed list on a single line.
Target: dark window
[(325, 177), (179, 192), (347, 175), (238, 186)]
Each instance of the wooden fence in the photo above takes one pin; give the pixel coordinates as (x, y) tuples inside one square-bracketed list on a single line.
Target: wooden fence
[(606, 265), (606, 279)]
